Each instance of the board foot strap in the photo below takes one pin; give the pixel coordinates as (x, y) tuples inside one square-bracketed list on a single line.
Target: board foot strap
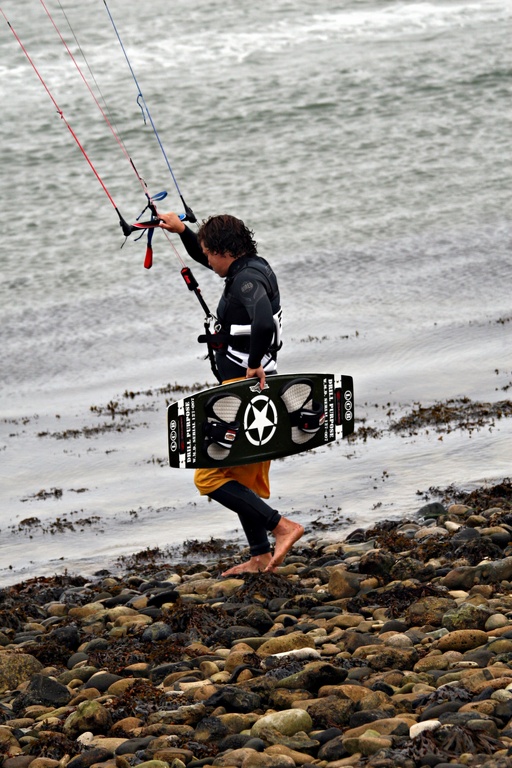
[(220, 430), (306, 415)]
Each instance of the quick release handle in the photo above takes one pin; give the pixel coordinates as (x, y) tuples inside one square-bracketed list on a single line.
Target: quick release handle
[(193, 285), (189, 279)]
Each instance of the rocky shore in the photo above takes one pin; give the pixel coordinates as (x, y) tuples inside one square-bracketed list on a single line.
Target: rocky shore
[(391, 647)]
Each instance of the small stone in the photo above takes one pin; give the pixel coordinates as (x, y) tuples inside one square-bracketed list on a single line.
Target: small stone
[(153, 764), (384, 726), (462, 640), (9, 744), (162, 597), (459, 510), (157, 631), (89, 716), (102, 681), (255, 616), (502, 645), (126, 726), (344, 621), (172, 754), (466, 616), (399, 641), (90, 757), (368, 744), (428, 532), (377, 562), (490, 572), (328, 709), (234, 699), (429, 610), (393, 658), (497, 621), (502, 694), (293, 641), (314, 676), (266, 760), (16, 668), (118, 687), (225, 588), (131, 622), (287, 722), (18, 761), (44, 690), (81, 612), (432, 661), (131, 746), (109, 744), (433, 509)]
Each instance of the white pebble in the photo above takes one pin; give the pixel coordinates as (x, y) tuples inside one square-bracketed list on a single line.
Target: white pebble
[(298, 653), (426, 725), (85, 738)]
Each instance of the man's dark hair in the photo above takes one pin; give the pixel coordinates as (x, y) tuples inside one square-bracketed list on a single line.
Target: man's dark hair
[(225, 235)]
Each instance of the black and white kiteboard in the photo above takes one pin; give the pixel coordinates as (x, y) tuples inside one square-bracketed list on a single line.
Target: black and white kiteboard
[(238, 423)]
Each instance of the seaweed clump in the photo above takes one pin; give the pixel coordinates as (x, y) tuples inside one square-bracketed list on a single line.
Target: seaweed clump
[(481, 499), (461, 413), (396, 598), (217, 547), (50, 651), (53, 745), (453, 692), (23, 602), (198, 621), (451, 741), (139, 700), (262, 587), (476, 550), (120, 654)]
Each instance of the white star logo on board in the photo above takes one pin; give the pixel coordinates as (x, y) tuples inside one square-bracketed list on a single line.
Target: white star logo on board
[(260, 420)]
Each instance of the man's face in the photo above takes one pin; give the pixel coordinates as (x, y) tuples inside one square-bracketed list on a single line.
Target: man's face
[(220, 263)]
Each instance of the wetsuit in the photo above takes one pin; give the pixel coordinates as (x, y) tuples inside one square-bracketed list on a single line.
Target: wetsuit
[(249, 314)]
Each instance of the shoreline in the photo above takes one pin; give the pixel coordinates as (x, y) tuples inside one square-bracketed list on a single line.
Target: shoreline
[(85, 499), (389, 647)]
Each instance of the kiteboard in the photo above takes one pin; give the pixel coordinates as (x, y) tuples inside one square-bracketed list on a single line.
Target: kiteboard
[(238, 423)]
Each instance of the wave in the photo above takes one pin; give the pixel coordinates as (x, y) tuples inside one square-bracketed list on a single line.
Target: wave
[(273, 34)]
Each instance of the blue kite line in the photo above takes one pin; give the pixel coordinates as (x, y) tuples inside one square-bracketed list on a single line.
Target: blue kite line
[(140, 97)]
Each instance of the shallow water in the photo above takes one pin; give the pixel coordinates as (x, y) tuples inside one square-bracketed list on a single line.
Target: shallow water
[(365, 145)]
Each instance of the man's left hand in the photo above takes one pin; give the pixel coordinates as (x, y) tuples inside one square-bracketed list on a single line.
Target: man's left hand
[(259, 373)]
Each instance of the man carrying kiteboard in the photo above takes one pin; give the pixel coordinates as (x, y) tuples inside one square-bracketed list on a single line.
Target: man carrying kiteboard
[(246, 346)]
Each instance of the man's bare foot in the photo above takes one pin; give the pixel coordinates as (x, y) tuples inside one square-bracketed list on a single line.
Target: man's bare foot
[(286, 533), (256, 564)]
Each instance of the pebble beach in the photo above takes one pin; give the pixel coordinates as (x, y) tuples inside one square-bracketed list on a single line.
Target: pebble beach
[(389, 647), (364, 144)]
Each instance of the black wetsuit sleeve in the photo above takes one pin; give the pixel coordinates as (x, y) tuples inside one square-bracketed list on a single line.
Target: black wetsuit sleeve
[(191, 243), (259, 309)]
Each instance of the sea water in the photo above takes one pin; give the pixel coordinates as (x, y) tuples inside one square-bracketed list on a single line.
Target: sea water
[(366, 143)]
